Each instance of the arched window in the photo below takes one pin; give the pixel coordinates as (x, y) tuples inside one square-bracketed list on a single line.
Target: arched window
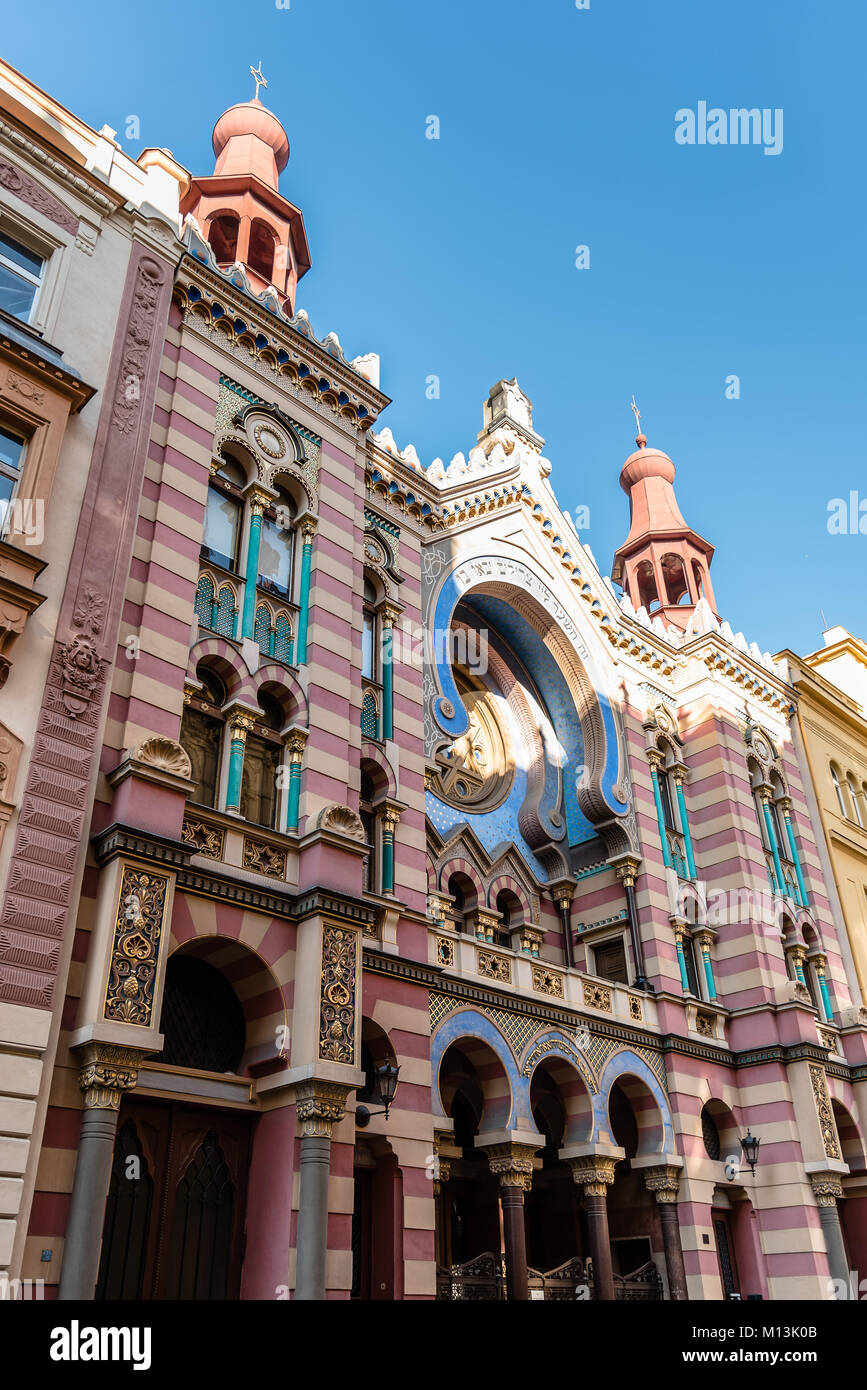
[(263, 754), (206, 609), (838, 788), (223, 236), (855, 797), (223, 515), (226, 615), (667, 802), (284, 642), (674, 577), (369, 715), (262, 628), (462, 892), (202, 735), (276, 546), (648, 597), (202, 1018), (260, 256), (368, 820), (368, 635), (710, 1134)]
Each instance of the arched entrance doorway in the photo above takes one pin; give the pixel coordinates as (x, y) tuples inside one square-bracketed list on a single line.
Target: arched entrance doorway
[(174, 1217)]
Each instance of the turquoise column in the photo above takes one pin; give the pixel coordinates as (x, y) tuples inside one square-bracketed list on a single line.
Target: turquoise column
[(387, 619), (823, 990), (389, 824), (657, 796), (681, 960), (704, 943), (796, 858), (799, 968), (251, 577), (239, 725), (772, 840), (684, 825), (307, 531), (296, 752)]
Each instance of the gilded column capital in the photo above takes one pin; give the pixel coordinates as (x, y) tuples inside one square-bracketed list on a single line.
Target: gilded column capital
[(594, 1174), (258, 500), (679, 772), (705, 937), (627, 868), (319, 1105), (296, 742), (390, 814), (513, 1164), (240, 724), (563, 893), (827, 1188), (106, 1070), (308, 529), (655, 758), (388, 614), (663, 1182), (785, 805)]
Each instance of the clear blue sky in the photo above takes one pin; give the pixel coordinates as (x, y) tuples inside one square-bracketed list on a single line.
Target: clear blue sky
[(456, 257)]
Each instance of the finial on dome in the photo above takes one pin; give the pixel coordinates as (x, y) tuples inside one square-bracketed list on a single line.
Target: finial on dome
[(256, 74), (640, 439)]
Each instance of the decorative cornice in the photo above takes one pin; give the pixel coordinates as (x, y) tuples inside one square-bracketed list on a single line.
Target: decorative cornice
[(119, 839), (62, 172)]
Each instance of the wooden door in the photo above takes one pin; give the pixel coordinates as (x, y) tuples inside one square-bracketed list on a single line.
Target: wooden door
[(174, 1223)]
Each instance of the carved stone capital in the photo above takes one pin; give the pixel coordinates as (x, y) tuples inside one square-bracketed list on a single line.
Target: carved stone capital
[(512, 1164), (663, 1182), (106, 1071), (319, 1105), (595, 1175), (827, 1188), (390, 814)]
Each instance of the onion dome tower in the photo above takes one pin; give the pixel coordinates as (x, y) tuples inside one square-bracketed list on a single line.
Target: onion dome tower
[(239, 207), (663, 565)]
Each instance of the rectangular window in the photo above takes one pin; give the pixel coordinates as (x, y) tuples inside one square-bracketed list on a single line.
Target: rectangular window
[(11, 457), (610, 960), (20, 278)]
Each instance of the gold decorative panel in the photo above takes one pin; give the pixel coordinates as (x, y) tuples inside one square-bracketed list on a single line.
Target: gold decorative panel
[(207, 839), (137, 931), (597, 997), (547, 981), (495, 967), (264, 858), (445, 951), (339, 985)]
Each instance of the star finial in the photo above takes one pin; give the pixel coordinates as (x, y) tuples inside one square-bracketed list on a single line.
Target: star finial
[(640, 438), (256, 74)]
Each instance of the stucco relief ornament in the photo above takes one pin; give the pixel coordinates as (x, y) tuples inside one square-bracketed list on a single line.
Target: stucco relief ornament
[(340, 820), (138, 345), (81, 674)]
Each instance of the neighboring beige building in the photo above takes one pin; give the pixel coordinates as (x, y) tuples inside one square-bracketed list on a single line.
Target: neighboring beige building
[(832, 723), (75, 215)]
